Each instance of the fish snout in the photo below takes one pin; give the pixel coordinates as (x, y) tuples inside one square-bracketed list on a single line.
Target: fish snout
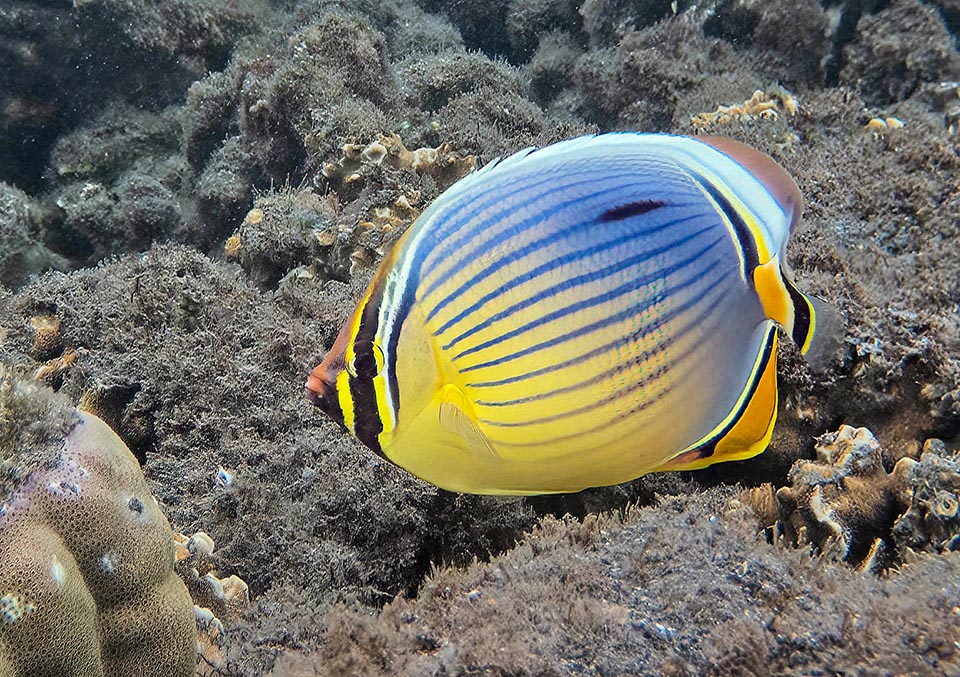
[(322, 390)]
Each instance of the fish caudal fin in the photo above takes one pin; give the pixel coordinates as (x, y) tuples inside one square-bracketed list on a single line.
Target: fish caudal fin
[(746, 431), (813, 324), (824, 335)]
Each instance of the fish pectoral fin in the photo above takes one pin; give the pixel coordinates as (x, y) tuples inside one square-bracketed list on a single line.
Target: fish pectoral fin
[(746, 431), (455, 420)]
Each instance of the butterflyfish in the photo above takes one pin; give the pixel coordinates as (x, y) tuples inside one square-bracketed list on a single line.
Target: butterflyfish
[(579, 315)]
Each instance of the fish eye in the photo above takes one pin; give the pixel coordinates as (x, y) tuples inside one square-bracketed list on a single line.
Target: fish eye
[(367, 360)]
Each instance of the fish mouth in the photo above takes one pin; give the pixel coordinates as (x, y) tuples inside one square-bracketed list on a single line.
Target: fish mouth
[(321, 391), (318, 388), (314, 398)]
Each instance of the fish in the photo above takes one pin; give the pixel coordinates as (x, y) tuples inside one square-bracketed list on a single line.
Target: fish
[(580, 315)]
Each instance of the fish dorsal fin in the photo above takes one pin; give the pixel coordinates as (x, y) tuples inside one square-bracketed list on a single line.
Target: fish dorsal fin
[(746, 431), (814, 325), (455, 420)]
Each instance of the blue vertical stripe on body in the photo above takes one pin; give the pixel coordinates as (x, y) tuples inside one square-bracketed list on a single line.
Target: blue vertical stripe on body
[(553, 264), (622, 290), (581, 331)]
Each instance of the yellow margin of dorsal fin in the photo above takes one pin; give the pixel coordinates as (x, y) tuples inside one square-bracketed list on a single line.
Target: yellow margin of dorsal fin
[(746, 431), (814, 325), (454, 419)]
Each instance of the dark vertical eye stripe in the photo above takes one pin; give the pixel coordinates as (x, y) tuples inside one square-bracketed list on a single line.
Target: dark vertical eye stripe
[(744, 237), (332, 405), (631, 209), (367, 425)]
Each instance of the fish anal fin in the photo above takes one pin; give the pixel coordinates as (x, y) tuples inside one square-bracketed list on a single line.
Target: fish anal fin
[(454, 419), (749, 432)]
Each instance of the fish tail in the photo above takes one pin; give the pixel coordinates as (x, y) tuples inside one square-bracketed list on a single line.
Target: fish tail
[(813, 324), (820, 339)]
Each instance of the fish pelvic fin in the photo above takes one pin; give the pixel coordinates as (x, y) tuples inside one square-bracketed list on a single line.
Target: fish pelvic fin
[(746, 431), (813, 324)]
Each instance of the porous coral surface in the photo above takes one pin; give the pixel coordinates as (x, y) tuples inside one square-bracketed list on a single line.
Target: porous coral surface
[(183, 165), (87, 585)]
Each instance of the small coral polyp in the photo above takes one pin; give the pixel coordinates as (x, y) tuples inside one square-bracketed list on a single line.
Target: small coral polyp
[(87, 585)]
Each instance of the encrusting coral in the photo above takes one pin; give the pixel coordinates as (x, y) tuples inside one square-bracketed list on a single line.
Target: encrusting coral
[(87, 585), (440, 162), (761, 106), (216, 599), (846, 505), (338, 235)]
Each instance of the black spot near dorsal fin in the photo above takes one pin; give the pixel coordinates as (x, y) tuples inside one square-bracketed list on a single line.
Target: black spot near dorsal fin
[(631, 209)]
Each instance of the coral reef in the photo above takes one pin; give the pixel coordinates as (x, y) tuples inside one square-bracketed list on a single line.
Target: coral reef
[(679, 588), (216, 600), (931, 522), (63, 63), (846, 506), (22, 253), (762, 105), (845, 502), (440, 163), (897, 51), (118, 183), (204, 372), (334, 235), (87, 576), (198, 363)]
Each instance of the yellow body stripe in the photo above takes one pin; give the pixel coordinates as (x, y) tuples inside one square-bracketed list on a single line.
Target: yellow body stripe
[(812, 329), (383, 406), (774, 297), (346, 401)]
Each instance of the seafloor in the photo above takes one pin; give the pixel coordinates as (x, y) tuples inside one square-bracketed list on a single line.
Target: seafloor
[(181, 237)]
